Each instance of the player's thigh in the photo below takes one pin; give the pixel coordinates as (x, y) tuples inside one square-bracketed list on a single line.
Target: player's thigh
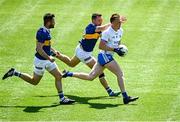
[(96, 70), (75, 60), (39, 68), (91, 63), (56, 73), (114, 68), (53, 69)]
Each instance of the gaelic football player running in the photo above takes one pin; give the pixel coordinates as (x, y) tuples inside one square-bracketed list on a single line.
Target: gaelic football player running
[(43, 61), (109, 44), (83, 52)]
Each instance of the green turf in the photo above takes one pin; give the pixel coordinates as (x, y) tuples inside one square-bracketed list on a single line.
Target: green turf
[(152, 67)]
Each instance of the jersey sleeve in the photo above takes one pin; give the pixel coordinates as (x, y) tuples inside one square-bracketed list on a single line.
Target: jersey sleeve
[(90, 29), (105, 36), (40, 36)]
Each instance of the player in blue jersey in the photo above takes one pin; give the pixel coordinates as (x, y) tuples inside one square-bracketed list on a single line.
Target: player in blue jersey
[(83, 52), (43, 60)]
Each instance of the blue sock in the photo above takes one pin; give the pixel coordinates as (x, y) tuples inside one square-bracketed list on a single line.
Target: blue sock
[(61, 95), (69, 74), (109, 90), (124, 94)]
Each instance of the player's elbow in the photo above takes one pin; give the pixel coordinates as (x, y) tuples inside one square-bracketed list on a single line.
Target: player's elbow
[(71, 65), (35, 82)]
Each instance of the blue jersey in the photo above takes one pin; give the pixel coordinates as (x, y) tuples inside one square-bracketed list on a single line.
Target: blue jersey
[(43, 36), (90, 38)]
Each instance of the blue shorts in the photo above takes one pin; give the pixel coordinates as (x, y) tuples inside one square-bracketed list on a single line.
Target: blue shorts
[(104, 58)]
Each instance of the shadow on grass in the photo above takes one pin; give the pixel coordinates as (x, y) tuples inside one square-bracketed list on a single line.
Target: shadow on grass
[(79, 100), (85, 100), (31, 109)]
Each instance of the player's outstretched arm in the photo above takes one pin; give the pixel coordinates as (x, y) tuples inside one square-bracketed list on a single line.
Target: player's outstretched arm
[(102, 27), (72, 62), (54, 51)]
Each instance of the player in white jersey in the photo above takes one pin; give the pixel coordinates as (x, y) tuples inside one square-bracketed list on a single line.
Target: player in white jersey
[(109, 44)]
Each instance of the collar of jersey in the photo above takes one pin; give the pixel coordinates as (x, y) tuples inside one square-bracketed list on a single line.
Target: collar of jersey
[(114, 30), (46, 29), (93, 24)]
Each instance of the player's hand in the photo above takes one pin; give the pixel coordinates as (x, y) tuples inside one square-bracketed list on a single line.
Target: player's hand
[(53, 53), (58, 54), (123, 19), (51, 59), (118, 51)]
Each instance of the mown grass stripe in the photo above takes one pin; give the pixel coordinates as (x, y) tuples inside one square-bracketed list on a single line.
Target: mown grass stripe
[(157, 69)]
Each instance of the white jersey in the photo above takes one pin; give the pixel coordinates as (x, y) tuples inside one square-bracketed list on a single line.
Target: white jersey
[(112, 38)]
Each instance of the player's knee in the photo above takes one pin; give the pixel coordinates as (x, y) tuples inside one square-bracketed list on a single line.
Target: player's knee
[(120, 74), (35, 82), (101, 76), (58, 76), (91, 77)]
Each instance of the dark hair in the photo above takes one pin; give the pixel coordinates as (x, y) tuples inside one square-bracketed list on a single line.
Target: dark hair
[(114, 17), (48, 17), (95, 15)]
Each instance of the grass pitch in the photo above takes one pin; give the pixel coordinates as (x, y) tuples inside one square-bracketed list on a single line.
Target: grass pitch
[(152, 66)]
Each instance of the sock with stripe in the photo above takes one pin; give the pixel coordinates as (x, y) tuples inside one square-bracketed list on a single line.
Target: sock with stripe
[(70, 74), (109, 90), (16, 73), (61, 95), (124, 94)]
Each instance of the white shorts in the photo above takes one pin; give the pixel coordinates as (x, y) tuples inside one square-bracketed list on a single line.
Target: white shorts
[(83, 56), (41, 65)]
